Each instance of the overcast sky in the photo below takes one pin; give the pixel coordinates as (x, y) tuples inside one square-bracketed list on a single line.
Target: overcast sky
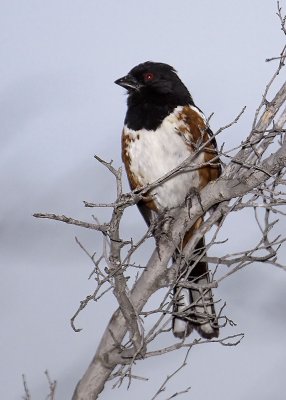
[(59, 107)]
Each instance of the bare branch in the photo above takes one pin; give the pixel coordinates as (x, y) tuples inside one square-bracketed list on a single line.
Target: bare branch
[(281, 17), (27, 392), (62, 218), (162, 388), (52, 386)]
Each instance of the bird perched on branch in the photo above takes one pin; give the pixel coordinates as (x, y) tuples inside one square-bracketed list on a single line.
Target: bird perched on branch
[(162, 128)]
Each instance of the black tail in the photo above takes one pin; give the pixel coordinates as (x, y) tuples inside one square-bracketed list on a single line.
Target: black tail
[(195, 305)]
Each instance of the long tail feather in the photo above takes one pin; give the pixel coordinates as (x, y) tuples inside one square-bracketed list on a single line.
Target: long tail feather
[(195, 305)]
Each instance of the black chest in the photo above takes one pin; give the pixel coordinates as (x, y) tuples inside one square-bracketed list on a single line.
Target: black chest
[(147, 109), (147, 116)]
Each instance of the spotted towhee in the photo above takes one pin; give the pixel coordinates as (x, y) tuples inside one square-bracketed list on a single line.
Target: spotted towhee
[(162, 128)]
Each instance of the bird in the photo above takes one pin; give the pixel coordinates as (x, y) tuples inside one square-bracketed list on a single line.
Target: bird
[(162, 128)]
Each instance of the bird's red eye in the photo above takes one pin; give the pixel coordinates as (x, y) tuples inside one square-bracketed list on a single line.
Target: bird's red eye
[(148, 76)]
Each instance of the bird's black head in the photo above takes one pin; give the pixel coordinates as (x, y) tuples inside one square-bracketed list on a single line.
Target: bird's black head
[(154, 91), (152, 80)]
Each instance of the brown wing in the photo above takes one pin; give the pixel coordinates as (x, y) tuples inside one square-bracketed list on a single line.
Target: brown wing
[(198, 132)]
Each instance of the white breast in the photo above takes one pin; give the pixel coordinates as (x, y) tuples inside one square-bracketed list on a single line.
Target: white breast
[(155, 153)]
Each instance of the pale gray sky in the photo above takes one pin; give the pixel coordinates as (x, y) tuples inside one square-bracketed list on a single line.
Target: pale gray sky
[(59, 107)]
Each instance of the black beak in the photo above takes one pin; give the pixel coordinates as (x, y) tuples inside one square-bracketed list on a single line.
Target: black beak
[(128, 82)]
